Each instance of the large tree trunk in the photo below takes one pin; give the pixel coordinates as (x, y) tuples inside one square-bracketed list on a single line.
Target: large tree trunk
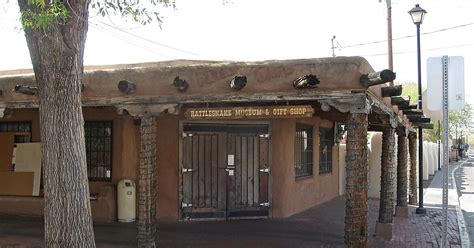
[(356, 218), (57, 56), (413, 193), (402, 169), (387, 179), (147, 184)]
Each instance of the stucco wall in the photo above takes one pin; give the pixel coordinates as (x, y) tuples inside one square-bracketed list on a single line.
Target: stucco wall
[(124, 163), (291, 195), (167, 162)]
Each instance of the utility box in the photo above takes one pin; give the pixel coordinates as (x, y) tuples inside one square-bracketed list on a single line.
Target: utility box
[(126, 200)]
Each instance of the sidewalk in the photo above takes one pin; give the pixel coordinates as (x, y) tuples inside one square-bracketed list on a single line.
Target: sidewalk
[(426, 230), (320, 226)]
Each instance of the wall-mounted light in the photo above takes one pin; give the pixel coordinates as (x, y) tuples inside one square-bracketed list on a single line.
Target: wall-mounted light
[(238, 82), (305, 82), (180, 84)]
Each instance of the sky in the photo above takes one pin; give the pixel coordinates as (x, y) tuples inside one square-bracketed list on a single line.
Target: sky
[(250, 30)]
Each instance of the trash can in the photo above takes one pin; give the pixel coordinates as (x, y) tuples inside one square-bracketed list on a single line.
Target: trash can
[(126, 200)]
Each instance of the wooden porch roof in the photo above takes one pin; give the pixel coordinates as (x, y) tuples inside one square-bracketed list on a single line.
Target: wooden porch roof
[(208, 81)]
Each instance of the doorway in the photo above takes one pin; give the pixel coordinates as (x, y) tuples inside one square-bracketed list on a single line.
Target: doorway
[(225, 171)]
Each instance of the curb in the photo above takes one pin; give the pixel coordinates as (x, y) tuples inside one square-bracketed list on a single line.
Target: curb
[(464, 236)]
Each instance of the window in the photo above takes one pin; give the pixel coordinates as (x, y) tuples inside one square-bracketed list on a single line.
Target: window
[(303, 151), (98, 136), (22, 130), (326, 142)]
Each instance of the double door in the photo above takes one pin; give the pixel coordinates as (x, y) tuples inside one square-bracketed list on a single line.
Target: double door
[(225, 171)]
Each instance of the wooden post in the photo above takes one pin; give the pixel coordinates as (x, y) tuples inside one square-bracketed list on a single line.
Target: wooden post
[(147, 184), (402, 208), (384, 227), (413, 185), (356, 219)]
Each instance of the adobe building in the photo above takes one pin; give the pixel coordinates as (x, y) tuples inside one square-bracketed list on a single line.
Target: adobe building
[(232, 139)]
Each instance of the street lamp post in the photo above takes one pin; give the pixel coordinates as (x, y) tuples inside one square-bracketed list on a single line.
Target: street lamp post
[(417, 14)]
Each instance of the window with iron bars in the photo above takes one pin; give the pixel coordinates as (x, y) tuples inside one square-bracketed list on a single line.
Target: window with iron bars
[(98, 137), (326, 142), (303, 150), (22, 130)]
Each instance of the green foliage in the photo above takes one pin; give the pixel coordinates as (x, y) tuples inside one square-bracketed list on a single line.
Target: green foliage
[(143, 13), (410, 89), (42, 15), (461, 121)]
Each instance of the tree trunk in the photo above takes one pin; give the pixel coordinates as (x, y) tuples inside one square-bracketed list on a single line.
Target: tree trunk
[(356, 219), (387, 179), (57, 56), (147, 184), (413, 194), (402, 169)]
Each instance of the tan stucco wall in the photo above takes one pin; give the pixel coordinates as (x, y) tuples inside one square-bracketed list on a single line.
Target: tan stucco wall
[(291, 195), (124, 163), (167, 162)]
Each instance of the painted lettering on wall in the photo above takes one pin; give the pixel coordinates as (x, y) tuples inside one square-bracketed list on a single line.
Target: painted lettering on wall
[(259, 112)]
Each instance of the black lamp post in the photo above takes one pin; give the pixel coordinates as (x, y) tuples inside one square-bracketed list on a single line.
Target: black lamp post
[(417, 15)]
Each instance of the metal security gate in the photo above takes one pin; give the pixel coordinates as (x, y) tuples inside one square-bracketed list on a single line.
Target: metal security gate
[(225, 171)]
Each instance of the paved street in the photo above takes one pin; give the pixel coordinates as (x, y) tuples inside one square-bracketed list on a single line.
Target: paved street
[(465, 188)]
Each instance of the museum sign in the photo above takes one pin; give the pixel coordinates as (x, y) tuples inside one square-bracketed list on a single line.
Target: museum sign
[(256, 112)]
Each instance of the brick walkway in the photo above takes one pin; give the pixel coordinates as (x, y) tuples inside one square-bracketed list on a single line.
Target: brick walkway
[(421, 230), (321, 226)]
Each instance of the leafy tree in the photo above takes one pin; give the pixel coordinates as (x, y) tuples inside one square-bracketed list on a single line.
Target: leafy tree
[(461, 122), (55, 32), (411, 89)]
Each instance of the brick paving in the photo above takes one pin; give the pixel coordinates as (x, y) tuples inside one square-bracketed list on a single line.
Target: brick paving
[(321, 226), (421, 230)]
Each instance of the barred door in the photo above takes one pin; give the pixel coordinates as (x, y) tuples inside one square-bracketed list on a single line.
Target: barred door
[(248, 188), (225, 173)]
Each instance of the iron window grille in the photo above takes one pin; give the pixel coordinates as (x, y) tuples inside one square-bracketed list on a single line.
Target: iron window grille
[(98, 138), (22, 130), (303, 151), (326, 142)]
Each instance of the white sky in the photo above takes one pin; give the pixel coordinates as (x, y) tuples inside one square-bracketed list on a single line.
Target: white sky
[(270, 29)]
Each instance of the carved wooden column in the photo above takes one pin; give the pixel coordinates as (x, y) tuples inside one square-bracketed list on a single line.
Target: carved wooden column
[(384, 224), (413, 185), (147, 183), (356, 219), (402, 208)]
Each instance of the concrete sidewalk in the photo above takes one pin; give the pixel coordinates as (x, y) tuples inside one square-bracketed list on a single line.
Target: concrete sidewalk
[(320, 226)]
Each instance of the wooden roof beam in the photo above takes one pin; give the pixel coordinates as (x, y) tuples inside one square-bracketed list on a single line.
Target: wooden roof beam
[(376, 78), (412, 112), (423, 125), (400, 100), (392, 91)]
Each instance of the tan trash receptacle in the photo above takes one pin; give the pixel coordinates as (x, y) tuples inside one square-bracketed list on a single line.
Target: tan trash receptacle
[(126, 200)]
